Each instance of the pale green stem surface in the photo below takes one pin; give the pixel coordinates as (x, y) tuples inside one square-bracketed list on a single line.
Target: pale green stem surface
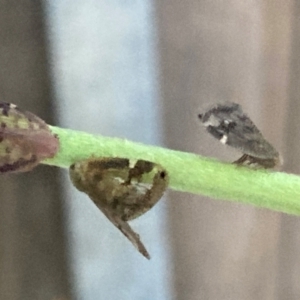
[(189, 172)]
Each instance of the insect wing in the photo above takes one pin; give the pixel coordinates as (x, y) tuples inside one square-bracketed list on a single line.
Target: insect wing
[(141, 196), (124, 227)]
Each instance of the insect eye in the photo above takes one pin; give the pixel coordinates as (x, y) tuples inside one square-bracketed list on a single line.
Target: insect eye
[(228, 125), (232, 125), (162, 175)]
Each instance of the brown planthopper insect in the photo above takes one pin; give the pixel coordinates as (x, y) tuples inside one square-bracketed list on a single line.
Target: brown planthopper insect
[(231, 126), (121, 191), (25, 139)]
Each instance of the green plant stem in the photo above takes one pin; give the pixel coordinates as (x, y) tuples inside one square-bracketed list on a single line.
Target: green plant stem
[(189, 172)]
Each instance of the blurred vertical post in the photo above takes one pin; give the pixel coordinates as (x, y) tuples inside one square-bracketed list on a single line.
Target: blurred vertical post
[(289, 247), (33, 262), (104, 71), (213, 52)]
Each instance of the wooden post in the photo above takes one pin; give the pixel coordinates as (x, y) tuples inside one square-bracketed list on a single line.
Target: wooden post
[(211, 52), (33, 259)]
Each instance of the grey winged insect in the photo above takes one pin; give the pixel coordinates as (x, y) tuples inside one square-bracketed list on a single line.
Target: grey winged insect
[(121, 190), (231, 126)]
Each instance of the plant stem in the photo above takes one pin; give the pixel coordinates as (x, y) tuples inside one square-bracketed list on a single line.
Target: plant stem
[(189, 172)]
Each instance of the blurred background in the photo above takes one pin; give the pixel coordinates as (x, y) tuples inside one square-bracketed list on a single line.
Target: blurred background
[(143, 70)]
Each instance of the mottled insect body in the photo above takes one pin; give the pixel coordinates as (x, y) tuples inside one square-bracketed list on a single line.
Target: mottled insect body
[(25, 139), (231, 126), (122, 191)]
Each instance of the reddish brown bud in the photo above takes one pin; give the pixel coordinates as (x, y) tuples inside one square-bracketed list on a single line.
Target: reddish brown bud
[(25, 140)]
